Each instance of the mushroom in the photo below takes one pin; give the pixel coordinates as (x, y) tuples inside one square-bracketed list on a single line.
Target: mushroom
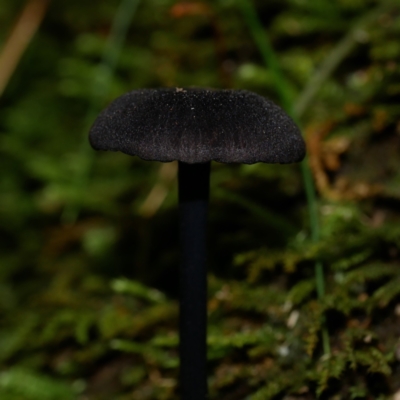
[(196, 126)]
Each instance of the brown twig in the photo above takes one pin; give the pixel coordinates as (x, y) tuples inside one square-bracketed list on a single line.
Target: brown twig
[(20, 37), (159, 192)]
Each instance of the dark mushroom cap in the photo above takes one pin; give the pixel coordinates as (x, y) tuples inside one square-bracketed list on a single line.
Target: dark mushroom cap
[(198, 125)]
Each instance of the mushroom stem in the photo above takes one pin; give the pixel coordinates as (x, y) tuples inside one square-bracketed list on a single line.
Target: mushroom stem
[(193, 183)]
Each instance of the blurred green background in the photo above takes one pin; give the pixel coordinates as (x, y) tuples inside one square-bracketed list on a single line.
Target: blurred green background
[(89, 241)]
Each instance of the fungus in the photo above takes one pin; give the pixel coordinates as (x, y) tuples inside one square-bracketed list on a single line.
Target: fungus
[(196, 126)]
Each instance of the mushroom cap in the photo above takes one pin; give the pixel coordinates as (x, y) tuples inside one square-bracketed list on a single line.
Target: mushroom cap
[(198, 125)]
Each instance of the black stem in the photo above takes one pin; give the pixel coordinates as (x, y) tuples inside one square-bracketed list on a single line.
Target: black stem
[(193, 182)]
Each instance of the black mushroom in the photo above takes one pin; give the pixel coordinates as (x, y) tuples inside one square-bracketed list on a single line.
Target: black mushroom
[(196, 126)]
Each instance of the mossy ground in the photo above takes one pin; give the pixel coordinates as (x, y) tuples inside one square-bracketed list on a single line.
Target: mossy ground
[(89, 242)]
